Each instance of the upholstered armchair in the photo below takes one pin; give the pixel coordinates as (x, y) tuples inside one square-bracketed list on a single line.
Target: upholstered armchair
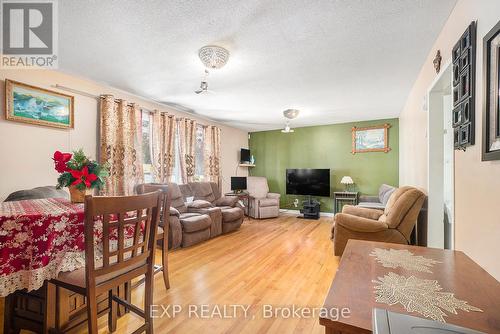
[(394, 224), (263, 204)]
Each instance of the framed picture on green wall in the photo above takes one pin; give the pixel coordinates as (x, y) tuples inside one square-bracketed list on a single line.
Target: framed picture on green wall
[(370, 139)]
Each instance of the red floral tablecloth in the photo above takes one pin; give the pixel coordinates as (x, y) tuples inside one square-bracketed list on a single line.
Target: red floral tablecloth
[(41, 238)]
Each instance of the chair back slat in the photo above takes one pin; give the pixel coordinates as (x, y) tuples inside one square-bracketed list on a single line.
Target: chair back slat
[(128, 233), (166, 201), (137, 234), (121, 236), (105, 240)]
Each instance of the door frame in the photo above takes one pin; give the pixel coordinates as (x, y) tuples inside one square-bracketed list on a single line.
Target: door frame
[(440, 87)]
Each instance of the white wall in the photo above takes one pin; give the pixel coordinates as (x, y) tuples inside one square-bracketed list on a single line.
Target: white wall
[(26, 150), (477, 183)]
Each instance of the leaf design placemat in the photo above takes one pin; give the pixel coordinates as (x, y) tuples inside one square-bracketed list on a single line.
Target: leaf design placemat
[(393, 258), (419, 295)]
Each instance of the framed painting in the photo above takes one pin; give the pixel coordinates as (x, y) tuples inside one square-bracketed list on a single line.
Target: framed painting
[(491, 95), (29, 104), (370, 139)]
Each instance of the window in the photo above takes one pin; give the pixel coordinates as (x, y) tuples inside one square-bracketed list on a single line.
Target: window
[(199, 154), (176, 175), (147, 152), (147, 146)]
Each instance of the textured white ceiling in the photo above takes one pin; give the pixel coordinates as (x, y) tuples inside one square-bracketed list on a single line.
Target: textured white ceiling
[(335, 60)]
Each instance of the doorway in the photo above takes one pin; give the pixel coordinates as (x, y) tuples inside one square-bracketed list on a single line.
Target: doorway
[(441, 188)]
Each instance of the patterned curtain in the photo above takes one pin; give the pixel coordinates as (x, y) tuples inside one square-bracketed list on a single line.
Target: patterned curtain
[(186, 143), (163, 137), (120, 148), (211, 155)]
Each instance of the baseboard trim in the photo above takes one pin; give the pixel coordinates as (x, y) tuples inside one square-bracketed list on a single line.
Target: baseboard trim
[(297, 212)]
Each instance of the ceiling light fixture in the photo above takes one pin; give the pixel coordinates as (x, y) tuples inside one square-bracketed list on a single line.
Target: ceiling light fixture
[(213, 56), (289, 114)]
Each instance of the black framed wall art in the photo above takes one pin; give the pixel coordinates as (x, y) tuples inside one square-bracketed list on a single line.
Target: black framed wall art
[(491, 95), (464, 87)]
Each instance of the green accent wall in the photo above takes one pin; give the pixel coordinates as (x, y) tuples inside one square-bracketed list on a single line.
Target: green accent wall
[(325, 146)]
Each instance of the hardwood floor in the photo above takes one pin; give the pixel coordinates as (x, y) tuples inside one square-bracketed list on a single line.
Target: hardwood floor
[(279, 262)]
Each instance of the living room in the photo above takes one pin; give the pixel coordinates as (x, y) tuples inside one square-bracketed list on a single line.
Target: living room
[(326, 167)]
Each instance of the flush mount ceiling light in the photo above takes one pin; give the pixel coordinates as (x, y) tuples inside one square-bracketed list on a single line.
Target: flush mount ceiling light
[(213, 57), (289, 114)]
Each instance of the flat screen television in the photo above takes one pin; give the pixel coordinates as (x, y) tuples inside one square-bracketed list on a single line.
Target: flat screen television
[(238, 183), (244, 156), (306, 181)]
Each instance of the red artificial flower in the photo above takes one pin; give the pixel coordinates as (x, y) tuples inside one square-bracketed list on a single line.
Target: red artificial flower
[(83, 176), (60, 160), (61, 167)]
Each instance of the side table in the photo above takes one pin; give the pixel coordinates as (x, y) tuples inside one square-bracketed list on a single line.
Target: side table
[(344, 197), (244, 197)]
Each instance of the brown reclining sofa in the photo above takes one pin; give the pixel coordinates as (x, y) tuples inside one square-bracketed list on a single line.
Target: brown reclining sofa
[(208, 216)]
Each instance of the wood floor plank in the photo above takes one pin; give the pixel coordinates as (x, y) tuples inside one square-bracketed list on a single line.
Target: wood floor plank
[(280, 262)]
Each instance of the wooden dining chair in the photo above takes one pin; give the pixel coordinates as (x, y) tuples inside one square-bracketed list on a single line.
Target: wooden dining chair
[(129, 227), (162, 236)]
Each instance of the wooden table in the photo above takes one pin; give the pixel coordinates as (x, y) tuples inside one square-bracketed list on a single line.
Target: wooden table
[(353, 288)]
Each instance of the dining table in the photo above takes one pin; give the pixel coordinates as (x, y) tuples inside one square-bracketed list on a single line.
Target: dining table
[(39, 239)]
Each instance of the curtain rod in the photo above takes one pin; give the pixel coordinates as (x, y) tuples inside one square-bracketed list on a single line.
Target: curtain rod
[(98, 97), (93, 96)]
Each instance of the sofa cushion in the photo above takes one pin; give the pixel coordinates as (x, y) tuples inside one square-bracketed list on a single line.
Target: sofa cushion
[(186, 190), (195, 223), (387, 195), (174, 212), (177, 197), (371, 205), (227, 201), (199, 204), (263, 202), (232, 214), (203, 191), (383, 190), (186, 215), (37, 193)]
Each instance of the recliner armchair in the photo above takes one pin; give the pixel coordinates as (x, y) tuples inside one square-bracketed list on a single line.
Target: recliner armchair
[(263, 204), (394, 224)]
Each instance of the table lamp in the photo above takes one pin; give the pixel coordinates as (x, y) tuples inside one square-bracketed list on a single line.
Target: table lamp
[(347, 181)]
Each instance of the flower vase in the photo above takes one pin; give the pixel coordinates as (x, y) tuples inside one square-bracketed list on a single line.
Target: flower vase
[(77, 195)]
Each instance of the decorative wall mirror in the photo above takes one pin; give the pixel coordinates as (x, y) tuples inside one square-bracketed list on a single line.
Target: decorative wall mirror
[(464, 73), (491, 96)]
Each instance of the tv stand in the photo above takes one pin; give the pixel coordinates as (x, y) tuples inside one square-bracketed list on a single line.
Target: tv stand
[(310, 209)]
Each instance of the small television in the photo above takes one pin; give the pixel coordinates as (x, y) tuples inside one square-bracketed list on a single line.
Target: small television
[(238, 183), (244, 156), (309, 182)]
